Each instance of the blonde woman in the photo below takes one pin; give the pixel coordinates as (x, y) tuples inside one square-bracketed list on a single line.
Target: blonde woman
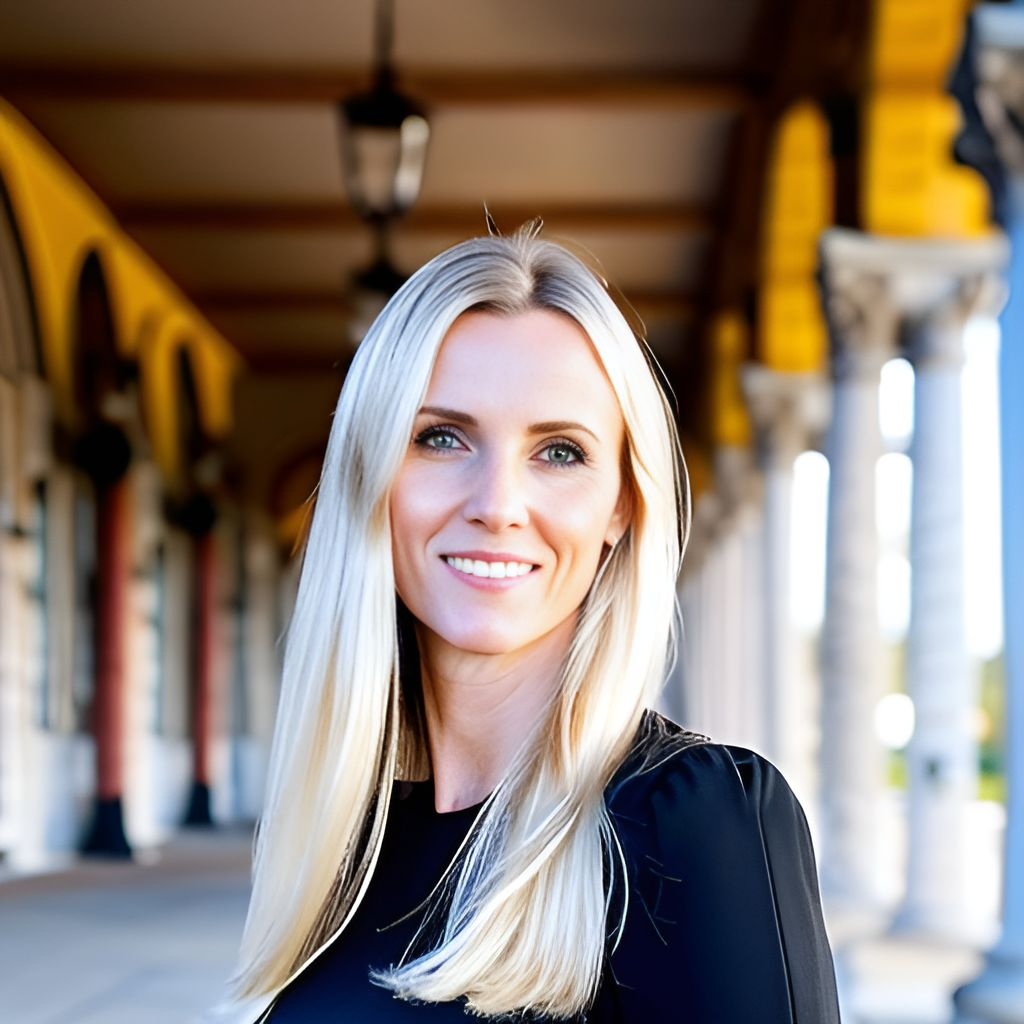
[(471, 809)]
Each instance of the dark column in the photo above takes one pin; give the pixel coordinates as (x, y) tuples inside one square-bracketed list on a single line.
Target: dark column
[(203, 647), (106, 452)]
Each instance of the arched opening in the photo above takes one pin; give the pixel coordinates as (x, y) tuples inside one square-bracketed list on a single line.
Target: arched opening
[(19, 330)]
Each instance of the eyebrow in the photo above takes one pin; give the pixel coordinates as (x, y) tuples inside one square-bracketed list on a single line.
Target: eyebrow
[(547, 427)]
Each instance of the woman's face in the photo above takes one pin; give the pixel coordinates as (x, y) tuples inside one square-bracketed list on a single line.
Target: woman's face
[(511, 485)]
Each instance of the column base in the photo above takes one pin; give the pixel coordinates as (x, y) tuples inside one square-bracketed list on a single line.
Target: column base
[(198, 813), (107, 838), (938, 924), (996, 996)]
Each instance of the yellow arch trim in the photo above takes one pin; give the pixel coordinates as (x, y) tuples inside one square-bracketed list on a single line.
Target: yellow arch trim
[(61, 221), (791, 332), (911, 184)]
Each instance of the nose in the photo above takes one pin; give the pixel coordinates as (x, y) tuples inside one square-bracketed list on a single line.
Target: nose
[(497, 497)]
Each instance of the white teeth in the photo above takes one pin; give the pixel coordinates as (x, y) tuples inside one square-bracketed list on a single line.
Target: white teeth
[(488, 570)]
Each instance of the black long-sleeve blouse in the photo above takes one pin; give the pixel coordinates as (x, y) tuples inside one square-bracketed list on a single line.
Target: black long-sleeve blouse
[(724, 922)]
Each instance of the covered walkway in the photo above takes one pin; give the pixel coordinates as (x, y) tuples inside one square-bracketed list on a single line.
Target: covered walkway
[(801, 201)]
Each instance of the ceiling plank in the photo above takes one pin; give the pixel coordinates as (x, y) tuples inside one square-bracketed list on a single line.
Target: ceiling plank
[(436, 219), (225, 302), (682, 89)]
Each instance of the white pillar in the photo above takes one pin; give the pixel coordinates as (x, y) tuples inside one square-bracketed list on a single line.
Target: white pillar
[(863, 323), (996, 996), (752, 638), (687, 703), (738, 487), (720, 685), (714, 607), (942, 757), (787, 410)]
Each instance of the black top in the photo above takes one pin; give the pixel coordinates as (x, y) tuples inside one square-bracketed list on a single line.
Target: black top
[(724, 923)]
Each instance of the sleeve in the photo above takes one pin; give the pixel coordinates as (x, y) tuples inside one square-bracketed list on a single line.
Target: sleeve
[(724, 922)]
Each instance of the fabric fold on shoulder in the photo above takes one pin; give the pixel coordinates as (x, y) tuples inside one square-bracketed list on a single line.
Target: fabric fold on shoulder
[(723, 891)]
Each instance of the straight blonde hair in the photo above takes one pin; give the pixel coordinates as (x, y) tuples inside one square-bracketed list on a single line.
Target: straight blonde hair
[(519, 921)]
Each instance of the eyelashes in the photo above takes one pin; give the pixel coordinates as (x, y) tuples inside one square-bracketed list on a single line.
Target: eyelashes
[(451, 434)]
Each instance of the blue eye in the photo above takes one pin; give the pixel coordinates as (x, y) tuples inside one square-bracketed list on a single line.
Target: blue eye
[(564, 453), (438, 439)]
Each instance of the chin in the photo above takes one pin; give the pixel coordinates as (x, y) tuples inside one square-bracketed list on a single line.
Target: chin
[(484, 639)]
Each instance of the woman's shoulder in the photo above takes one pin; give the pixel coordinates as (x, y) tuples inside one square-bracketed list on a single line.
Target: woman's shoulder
[(718, 883), (674, 771)]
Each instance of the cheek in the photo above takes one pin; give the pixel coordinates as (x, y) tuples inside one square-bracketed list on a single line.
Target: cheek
[(417, 511), (581, 523), (404, 522)]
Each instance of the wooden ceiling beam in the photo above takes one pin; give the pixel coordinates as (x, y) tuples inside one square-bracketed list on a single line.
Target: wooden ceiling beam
[(233, 302), (680, 89), (461, 219), (279, 364)]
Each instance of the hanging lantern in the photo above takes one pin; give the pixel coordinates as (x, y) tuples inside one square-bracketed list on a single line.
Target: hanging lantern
[(373, 286), (384, 136)]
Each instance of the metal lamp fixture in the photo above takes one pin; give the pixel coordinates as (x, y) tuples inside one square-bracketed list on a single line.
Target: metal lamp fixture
[(372, 287), (384, 137)]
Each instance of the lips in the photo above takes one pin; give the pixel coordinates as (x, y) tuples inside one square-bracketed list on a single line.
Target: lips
[(489, 569), (490, 556)]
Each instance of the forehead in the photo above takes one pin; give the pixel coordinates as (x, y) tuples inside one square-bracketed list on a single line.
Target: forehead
[(524, 358)]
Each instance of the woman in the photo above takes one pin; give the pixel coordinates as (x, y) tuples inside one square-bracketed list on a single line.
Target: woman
[(470, 808)]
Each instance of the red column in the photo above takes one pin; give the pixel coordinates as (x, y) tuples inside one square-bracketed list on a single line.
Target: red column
[(204, 648), (113, 524)]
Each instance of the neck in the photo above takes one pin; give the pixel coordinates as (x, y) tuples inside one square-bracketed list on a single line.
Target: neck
[(480, 708)]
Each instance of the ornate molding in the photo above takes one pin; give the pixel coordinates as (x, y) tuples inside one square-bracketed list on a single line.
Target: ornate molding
[(1000, 93), (790, 411), (875, 284)]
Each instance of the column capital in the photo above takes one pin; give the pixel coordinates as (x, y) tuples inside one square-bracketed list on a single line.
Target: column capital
[(1000, 63), (935, 331), (862, 315), (790, 411), (737, 482), (874, 284)]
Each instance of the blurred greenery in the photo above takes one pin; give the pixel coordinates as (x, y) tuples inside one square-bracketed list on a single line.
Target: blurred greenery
[(991, 743)]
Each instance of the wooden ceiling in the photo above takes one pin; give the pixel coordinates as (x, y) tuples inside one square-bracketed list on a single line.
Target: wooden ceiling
[(638, 129)]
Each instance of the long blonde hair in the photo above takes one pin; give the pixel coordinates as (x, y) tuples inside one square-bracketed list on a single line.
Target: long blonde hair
[(522, 912)]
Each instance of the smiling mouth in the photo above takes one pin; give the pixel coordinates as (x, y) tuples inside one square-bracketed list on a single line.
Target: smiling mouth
[(489, 570)]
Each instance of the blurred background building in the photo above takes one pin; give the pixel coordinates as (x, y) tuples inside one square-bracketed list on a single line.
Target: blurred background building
[(816, 209)]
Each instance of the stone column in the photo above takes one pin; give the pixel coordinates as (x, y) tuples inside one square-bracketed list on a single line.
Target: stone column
[(863, 321), (787, 409), (719, 686), (689, 699), (740, 638), (997, 994), (942, 757)]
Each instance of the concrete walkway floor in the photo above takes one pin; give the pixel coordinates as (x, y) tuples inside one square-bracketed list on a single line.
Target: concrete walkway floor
[(152, 942), (107, 942)]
